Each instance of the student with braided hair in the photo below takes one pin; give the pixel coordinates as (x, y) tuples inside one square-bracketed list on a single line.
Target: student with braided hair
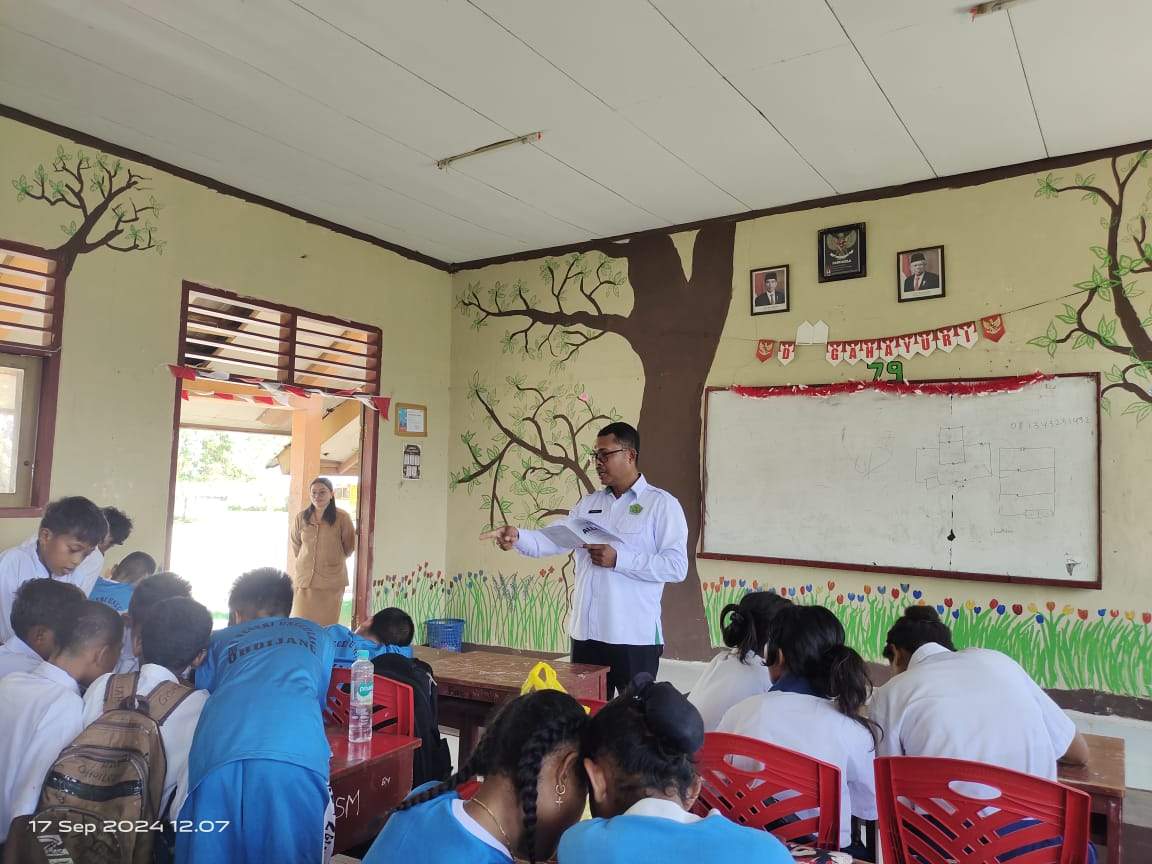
[(739, 672), (638, 753), (533, 790)]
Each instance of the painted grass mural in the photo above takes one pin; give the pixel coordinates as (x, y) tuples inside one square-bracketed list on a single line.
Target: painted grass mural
[(514, 610), (1068, 648)]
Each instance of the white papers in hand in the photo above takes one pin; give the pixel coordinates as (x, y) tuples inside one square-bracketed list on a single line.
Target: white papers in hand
[(576, 532)]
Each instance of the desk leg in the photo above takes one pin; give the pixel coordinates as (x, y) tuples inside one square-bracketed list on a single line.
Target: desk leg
[(1115, 829)]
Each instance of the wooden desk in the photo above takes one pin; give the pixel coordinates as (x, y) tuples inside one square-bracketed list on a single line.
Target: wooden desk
[(472, 683), (1103, 779), (364, 790)]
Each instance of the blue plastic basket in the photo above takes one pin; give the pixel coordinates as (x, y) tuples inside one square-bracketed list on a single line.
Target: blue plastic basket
[(446, 633)]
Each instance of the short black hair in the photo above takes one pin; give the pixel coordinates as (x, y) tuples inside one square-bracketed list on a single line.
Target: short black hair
[(175, 631), (624, 433), (134, 566), (264, 590), (77, 516), (918, 626), (97, 624), (119, 525), (393, 626), (47, 603), (153, 589)]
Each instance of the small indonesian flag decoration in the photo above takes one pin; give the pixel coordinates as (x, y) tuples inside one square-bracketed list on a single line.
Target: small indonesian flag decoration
[(906, 345), (277, 393), (786, 353), (765, 348), (992, 326)]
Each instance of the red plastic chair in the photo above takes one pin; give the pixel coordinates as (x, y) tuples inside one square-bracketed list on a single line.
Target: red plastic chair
[(924, 819), (593, 705), (809, 810), (392, 710)]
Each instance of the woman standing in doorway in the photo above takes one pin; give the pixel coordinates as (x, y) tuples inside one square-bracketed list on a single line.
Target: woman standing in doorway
[(322, 539)]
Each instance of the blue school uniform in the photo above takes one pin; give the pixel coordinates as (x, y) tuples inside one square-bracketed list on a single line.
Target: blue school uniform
[(346, 643), (435, 832), (259, 758), (656, 830), (114, 594)]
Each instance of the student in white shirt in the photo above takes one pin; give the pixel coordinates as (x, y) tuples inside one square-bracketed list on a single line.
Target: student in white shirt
[(815, 707), (92, 567), (172, 641), (41, 711), (974, 704), (638, 754), (68, 533), (615, 618), (149, 591), (740, 672), (43, 615)]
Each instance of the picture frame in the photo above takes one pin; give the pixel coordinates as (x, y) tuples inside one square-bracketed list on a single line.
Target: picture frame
[(920, 274), (411, 420), (842, 252), (769, 290)]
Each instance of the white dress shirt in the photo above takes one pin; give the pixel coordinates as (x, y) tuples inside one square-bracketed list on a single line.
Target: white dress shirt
[(727, 682), (128, 661), (17, 566), (40, 713), (974, 704), (16, 656), (621, 605), (175, 733), (814, 726)]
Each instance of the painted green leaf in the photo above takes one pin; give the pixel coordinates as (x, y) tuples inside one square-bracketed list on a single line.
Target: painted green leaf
[(1105, 292), (1140, 409), (1069, 315), (1106, 404), (1142, 371), (1101, 253), (1084, 340), (1115, 376), (1051, 332)]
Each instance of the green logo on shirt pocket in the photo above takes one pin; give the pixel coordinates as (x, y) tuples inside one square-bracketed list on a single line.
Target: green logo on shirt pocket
[(636, 509)]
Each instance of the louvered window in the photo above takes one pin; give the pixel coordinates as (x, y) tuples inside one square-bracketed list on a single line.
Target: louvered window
[(244, 338), (28, 317)]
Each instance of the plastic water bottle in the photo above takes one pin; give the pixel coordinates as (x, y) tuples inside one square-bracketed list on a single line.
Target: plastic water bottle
[(360, 707)]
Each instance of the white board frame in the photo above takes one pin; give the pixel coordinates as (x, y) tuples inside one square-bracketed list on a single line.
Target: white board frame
[(908, 387)]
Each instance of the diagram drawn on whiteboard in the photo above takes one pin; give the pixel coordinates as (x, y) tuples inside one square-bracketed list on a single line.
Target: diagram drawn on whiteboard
[(1028, 482), (953, 462)]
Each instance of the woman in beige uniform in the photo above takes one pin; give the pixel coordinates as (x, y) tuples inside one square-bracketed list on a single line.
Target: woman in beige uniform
[(322, 539)]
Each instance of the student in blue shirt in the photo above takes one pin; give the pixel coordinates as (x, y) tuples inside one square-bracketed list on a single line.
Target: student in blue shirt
[(638, 754), (117, 591), (259, 759), (390, 631), (533, 790)]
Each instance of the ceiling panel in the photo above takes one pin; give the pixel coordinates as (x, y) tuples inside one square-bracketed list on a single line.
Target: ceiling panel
[(865, 147), (964, 115)]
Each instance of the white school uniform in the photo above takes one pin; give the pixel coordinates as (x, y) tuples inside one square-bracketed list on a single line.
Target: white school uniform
[(17, 566), (974, 704), (128, 661), (176, 732), (727, 682), (16, 656), (621, 605), (40, 713), (814, 726)]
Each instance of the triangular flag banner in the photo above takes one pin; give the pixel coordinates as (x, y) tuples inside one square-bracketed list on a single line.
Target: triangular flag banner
[(765, 348), (277, 393), (786, 353), (992, 327)]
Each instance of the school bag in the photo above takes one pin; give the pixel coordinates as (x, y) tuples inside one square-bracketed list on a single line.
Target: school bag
[(431, 760), (112, 774)]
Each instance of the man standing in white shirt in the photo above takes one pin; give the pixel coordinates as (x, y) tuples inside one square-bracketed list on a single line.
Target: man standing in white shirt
[(615, 618), (68, 533), (91, 568), (41, 711), (43, 615)]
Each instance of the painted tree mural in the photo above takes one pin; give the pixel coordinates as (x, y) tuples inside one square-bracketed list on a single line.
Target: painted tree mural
[(674, 327), (1107, 316), (107, 201)]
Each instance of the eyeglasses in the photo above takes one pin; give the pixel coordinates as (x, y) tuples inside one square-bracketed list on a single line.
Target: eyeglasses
[(602, 455)]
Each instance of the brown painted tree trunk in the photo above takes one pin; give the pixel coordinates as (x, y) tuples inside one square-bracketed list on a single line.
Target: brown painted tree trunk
[(674, 328)]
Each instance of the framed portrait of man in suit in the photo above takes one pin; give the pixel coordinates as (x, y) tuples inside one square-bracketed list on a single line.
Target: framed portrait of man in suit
[(769, 290), (920, 274)]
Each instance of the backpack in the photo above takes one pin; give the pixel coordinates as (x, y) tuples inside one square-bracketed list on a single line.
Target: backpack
[(431, 760), (112, 773)]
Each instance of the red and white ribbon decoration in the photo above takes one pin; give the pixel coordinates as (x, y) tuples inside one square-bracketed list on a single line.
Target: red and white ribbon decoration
[(277, 394)]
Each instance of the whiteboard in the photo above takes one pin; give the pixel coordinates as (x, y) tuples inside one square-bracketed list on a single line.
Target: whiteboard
[(1002, 485)]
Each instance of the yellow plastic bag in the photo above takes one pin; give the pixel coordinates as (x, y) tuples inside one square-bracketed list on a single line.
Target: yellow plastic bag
[(542, 677)]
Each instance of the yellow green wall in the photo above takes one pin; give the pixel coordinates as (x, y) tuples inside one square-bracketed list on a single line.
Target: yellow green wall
[(1005, 248), (114, 424)]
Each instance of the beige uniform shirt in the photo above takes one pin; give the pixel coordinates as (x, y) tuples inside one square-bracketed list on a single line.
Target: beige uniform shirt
[(321, 551)]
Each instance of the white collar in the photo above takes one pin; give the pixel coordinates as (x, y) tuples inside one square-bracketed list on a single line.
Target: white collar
[(636, 488), (57, 676), (662, 808), (475, 828), (16, 645), (31, 548), (929, 649), (155, 670)]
